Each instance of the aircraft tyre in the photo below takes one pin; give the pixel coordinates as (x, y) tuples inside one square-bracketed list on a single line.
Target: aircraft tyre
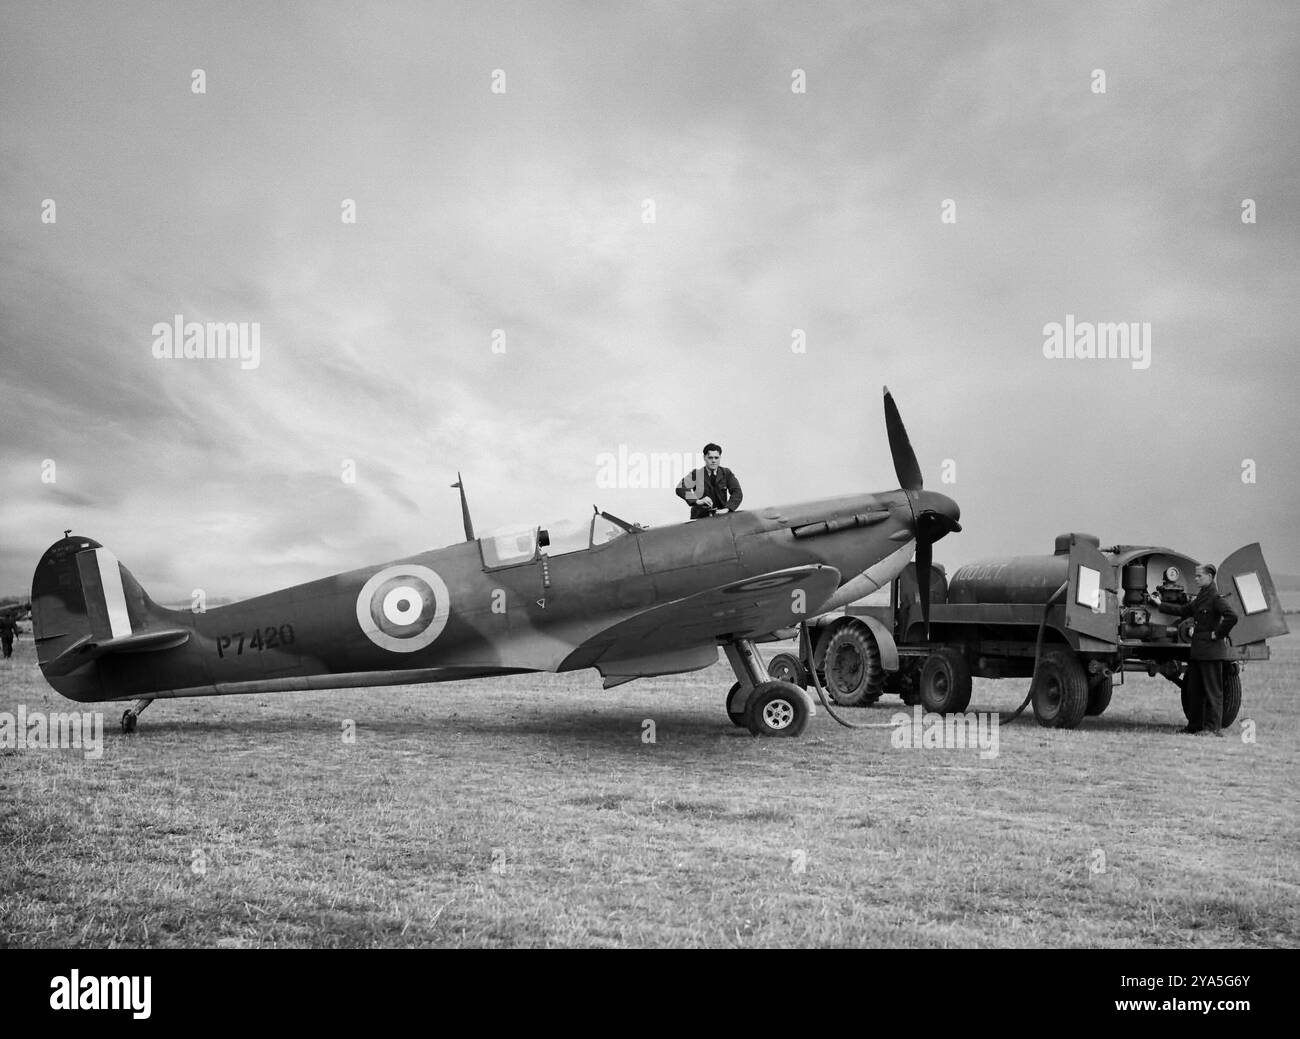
[(777, 709), (129, 719), (786, 667), (854, 674), (1060, 691), (945, 681), (1099, 692)]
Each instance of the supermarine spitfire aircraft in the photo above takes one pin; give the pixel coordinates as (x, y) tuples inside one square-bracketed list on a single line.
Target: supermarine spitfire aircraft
[(626, 600)]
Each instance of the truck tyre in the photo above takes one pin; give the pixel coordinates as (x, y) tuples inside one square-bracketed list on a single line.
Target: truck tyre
[(786, 667), (1061, 690), (777, 709), (945, 681), (1231, 692), (854, 674), (1099, 690), (905, 682), (1231, 695)]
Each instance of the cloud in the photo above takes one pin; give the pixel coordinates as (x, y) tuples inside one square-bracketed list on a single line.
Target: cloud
[(522, 214)]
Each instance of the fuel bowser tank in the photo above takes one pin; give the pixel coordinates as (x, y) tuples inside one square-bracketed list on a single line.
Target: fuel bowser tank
[(1018, 579)]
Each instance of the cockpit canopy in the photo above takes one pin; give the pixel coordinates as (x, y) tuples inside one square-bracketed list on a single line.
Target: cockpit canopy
[(523, 544)]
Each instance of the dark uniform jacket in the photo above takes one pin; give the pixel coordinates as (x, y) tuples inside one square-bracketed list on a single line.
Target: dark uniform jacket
[(1212, 619), (722, 487)]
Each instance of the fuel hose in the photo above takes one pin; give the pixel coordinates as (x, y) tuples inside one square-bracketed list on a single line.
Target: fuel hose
[(806, 653), (1038, 654)]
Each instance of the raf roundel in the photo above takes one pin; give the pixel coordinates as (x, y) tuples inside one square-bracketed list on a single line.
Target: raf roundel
[(403, 608)]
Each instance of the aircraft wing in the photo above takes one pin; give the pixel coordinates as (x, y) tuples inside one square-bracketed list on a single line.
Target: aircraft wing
[(744, 609)]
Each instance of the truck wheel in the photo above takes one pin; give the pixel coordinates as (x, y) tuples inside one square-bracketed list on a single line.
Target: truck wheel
[(1099, 690), (777, 709), (1231, 695), (786, 667), (945, 681), (854, 675), (1061, 691), (1231, 692), (905, 683)]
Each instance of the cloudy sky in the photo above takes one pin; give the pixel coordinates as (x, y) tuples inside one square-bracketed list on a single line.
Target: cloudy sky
[(639, 198)]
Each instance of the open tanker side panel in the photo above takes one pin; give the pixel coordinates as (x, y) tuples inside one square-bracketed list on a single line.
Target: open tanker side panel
[(1244, 581), (1091, 605)]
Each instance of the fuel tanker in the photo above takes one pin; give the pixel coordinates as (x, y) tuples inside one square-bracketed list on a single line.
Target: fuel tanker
[(1073, 620)]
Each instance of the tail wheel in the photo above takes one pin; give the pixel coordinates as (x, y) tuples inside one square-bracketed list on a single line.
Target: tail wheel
[(855, 676), (1060, 691), (786, 667), (777, 709), (1231, 693), (737, 717), (945, 681), (1099, 691)]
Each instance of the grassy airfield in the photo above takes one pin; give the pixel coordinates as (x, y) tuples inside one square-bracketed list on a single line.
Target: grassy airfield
[(530, 811)]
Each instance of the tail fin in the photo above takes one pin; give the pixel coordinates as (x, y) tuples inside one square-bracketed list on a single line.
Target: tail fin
[(85, 604)]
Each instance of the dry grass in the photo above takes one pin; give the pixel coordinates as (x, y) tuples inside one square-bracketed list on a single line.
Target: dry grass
[(528, 811)]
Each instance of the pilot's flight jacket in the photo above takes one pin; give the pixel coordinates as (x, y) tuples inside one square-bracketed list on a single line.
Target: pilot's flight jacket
[(722, 487)]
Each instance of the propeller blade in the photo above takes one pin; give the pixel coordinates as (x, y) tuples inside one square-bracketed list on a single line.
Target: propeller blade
[(928, 525), (906, 466)]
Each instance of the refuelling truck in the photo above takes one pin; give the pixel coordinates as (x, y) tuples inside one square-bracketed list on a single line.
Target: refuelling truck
[(1073, 620)]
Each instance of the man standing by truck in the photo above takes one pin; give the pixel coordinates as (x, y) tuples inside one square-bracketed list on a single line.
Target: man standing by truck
[(1212, 619)]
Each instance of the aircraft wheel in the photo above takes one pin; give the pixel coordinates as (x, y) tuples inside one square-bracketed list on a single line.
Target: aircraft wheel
[(854, 674), (129, 719), (1061, 691), (777, 709), (945, 681), (786, 667), (1099, 692), (737, 717)]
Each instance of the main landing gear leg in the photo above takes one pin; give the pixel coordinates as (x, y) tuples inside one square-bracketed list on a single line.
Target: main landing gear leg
[(132, 714), (756, 702)]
